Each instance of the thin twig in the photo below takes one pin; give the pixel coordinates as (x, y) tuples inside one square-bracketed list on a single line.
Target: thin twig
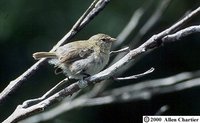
[(63, 107), (80, 20), (135, 76), (31, 102), (125, 49)]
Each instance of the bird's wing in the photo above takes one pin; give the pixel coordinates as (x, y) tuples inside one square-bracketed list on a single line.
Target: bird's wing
[(75, 52)]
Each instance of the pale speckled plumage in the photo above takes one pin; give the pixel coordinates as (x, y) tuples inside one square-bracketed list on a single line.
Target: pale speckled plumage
[(80, 58)]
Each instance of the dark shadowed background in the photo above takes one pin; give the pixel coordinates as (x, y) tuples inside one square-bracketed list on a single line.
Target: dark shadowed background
[(30, 26)]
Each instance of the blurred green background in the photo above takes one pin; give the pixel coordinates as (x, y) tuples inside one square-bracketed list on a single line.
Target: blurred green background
[(30, 26)]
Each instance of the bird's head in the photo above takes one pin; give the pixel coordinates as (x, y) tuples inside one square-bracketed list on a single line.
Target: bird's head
[(103, 38)]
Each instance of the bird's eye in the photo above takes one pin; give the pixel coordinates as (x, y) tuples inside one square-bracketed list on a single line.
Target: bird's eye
[(103, 39)]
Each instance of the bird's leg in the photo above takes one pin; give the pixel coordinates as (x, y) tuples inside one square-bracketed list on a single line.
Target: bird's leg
[(85, 75)]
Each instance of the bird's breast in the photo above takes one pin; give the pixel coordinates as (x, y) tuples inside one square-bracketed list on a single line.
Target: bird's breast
[(98, 63)]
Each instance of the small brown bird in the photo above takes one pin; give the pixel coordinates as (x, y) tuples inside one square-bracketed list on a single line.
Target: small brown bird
[(82, 58)]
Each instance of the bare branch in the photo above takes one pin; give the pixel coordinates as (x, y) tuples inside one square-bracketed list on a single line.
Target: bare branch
[(156, 40), (63, 107), (182, 33), (181, 22), (136, 76), (88, 15), (145, 90), (21, 113), (80, 20)]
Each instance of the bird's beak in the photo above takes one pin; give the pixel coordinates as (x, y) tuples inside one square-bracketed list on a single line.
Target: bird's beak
[(113, 39)]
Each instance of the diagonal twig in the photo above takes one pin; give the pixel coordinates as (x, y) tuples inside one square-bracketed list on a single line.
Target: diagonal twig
[(125, 49), (31, 102), (135, 76)]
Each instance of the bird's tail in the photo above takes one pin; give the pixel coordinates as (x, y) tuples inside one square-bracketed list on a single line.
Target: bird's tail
[(39, 55)]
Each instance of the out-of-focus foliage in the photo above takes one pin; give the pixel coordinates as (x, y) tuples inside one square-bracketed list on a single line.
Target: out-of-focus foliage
[(27, 26)]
